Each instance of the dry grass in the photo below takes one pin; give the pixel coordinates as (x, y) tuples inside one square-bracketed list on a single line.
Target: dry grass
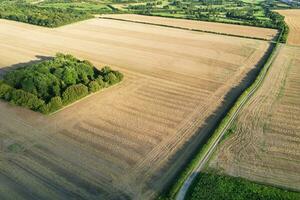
[(292, 18), (265, 145), (118, 144), (247, 31)]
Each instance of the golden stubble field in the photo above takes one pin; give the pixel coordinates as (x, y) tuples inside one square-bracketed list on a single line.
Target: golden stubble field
[(127, 141), (237, 30), (265, 144), (292, 18)]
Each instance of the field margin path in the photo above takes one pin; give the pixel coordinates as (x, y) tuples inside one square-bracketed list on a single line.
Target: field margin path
[(218, 135)]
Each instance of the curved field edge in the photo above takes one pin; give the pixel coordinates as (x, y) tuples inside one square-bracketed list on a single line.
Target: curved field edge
[(212, 185), (224, 125)]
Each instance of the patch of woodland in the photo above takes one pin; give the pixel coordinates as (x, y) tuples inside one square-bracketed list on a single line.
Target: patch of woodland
[(47, 16), (52, 84)]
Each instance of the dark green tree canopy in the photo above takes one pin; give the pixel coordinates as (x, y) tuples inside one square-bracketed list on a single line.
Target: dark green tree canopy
[(48, 85)]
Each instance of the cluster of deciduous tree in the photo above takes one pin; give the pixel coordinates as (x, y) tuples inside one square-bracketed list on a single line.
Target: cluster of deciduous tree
[(49, 85), (49, 17)]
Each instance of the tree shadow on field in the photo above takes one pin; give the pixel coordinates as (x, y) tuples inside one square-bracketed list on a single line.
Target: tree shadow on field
[(178, 162), (39, 58)]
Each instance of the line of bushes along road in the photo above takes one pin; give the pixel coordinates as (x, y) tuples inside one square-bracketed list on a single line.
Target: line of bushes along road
[(49, 85)]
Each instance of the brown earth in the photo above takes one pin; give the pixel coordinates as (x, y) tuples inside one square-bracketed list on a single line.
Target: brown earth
[(238, 30), (292, 18), (265, 145), (127, 141)]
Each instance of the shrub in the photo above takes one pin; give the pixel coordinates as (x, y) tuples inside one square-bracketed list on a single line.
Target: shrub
[(25, 99), (94, 86), (55, 104), (74, 93), (101, 82), (111, 78), (119, 75), (216, 186), (4, 89), (105, 70)]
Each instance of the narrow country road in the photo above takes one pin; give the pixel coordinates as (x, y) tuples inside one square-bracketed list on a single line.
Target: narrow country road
[(183, 190)]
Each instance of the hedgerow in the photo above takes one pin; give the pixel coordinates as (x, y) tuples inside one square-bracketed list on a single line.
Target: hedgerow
[(217, 186)]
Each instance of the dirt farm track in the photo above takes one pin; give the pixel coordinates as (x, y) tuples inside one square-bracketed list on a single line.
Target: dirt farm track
[(126, 142)]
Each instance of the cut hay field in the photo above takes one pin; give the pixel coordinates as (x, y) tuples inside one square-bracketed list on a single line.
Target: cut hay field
[(128, 141), (264, 145), (246, 31), (292, 18)]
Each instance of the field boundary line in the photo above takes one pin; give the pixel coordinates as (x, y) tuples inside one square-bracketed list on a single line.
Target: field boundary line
[(188, 174), (226, 123), (188, 29)]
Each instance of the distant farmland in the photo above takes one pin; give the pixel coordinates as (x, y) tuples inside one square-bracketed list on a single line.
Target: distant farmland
[(264, 145), (237, 30), (292, 18), (129, 141)]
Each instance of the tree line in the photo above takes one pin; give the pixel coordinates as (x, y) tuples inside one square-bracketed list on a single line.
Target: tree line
[(217, 186), (49, 17), (50, 85)]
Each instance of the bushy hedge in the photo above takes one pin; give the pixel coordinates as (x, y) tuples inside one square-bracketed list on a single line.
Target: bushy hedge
[(213, 186), (73, 93), (52, 84)]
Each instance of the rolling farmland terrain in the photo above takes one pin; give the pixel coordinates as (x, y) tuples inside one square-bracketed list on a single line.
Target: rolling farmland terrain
[(128, 141), (263, 145)]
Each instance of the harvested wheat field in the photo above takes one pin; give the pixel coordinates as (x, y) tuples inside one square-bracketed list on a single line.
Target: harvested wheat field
[(265, 144), (292, 18), (128, 141), (238, 30)]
